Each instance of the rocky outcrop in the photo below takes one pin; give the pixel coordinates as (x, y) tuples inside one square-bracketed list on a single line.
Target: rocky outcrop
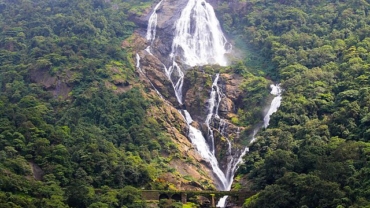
[(191, 171), (151, 70), (58, 85), (230, 84), (197, 89), (37, 172), (168, 12)]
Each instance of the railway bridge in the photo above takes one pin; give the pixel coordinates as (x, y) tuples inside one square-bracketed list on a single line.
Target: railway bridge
[(211, 197)]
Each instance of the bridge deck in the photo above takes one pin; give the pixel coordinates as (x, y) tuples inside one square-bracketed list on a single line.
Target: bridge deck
[(238, 197), (198, 192)]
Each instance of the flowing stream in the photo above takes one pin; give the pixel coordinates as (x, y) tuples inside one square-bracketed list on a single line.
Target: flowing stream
[(152, 24), (138, 67), (275, 104), (213, 104), (198, 40)]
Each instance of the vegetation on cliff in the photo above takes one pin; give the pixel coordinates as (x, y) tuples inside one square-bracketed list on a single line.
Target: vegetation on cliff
[(69, 136), (315, 151), (74, 123)]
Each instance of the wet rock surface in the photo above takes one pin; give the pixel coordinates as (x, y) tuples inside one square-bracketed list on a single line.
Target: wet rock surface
[(187, 161)]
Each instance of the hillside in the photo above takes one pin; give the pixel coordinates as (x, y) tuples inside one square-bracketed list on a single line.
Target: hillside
[(89, 117), (78, 128), (315, 151)]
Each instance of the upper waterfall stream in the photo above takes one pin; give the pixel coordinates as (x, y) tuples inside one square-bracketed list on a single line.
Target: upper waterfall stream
[(275, 104), (152, 24), (199, 39)]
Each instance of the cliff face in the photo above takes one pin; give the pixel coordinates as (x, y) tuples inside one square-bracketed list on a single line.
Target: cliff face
[(196, 92), (168, 12), (190, 171), (197, 89)]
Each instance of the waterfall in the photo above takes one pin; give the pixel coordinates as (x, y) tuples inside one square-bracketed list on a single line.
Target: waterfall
[(198, 40), (176, 79), (152, 24), (275, 104), (213, 104), (138, 63), (202, 147), (198, 36)]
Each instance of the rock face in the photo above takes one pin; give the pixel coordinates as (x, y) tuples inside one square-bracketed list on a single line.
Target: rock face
[(197, 89), (151, 72), (57, 85), (234, 96), (168, 12), (196, 92), (186, 161)]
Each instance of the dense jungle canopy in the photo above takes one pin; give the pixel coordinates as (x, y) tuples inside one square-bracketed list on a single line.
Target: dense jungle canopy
[(79, 143)]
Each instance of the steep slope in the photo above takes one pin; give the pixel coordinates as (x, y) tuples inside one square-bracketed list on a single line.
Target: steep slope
[(314, 152), (75, 116), (88, 115)]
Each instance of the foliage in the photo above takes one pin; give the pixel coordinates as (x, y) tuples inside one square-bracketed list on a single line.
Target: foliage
[(66, 139), (314, 153), (69, 139)]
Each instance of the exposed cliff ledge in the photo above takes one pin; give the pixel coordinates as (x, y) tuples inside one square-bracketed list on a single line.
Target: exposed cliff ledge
[(191, 172), (151, 72)]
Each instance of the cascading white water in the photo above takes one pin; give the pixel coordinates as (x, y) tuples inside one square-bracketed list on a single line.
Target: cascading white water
[(176, 79), (138, 63), (275, 104), (152, 24), (198, 40), (213, 104), (198, 36), (202, 147)]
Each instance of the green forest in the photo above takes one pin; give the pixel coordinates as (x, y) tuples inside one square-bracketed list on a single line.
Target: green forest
[(68, 139), (88, 144), (316, 151)]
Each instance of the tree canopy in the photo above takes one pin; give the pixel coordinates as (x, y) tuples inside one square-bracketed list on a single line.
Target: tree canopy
[(315, 151)]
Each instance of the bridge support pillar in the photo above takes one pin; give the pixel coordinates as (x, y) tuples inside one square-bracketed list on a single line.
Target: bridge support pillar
[(184, 197), (213, 200)]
